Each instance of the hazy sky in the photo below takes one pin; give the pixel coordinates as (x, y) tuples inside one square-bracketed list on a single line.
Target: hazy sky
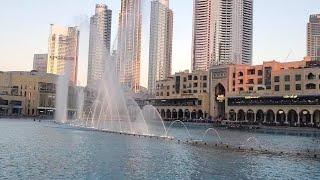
[(279, 30)]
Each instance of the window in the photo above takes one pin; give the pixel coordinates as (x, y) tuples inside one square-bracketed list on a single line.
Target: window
[(298, 77), (234, 75), (195, 91), (241, 89), (310, 86), (189, 77), (204, 85), (311, 76), (161, 94), (260, 88), (260, 81), (260, 72), (240, 74), (250, 81), (276, 79), (184, 79), (195, 78), (276, 88), (204, 78), (195, 84), (287, 78), (233, 82), (287, 87), (168, 94), (241, 81), (250, 88), (298, 87), (199, 102)]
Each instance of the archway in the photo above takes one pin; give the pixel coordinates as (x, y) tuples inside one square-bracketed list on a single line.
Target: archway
[(292, 117), (174, 114), (250, 116), (168, 114), (200, 114), (232, 115), (180, 114), (187, 114), (316, 118), (194, 114), (305, 118), (220, 93), (260, 117), (241, 115), (270, 117), (281, 117), (163, 113)]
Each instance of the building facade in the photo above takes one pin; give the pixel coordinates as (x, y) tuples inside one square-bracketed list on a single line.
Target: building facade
[(160, 45), (129, 44), (273, 93), (31, 94), (183, 96), (222, 33), (313, 37), (40, 62), (63, 51), (99, 42)]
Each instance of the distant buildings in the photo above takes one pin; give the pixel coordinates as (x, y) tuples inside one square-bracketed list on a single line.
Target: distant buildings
[(99, 42), (313, 37), (129, 44), (63, 51), (273, 93), (160, 46), (222, 33), (40, 62)]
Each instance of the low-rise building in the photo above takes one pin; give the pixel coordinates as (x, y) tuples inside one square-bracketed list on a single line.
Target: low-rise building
[(183, 96), (32, 93), (272, 93)]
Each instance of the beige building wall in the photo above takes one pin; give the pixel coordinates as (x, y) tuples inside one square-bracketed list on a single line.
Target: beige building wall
[(183, 96), (240, 89)]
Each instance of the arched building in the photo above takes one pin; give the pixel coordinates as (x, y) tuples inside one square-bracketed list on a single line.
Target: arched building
[(273, 93)]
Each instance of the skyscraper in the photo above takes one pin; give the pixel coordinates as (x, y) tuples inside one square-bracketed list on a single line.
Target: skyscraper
[(99, 42), (63, 51), (129, 44), (160, 47), (313, 37), (222, 33), (40, 62)]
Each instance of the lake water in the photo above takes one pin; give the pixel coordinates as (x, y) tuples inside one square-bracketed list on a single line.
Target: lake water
[(44, 150)]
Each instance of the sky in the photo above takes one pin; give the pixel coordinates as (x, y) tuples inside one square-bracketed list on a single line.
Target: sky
[(279, 30)]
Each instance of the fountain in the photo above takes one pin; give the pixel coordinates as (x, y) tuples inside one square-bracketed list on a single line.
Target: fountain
[(215, 131)]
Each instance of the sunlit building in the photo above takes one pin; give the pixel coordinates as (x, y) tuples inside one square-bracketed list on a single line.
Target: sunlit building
[(24, 93), (63, 51), (183, 96), (273, 93), (99, 42), (313, 37), (222, 33), (129, 44), (160, 46), (40, 62)]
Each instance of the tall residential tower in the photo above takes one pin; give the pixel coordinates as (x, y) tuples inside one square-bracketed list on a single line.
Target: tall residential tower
[(313, 37), (99, 42), (222, 33), (129, 44), (160, 47), (63, 51)]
